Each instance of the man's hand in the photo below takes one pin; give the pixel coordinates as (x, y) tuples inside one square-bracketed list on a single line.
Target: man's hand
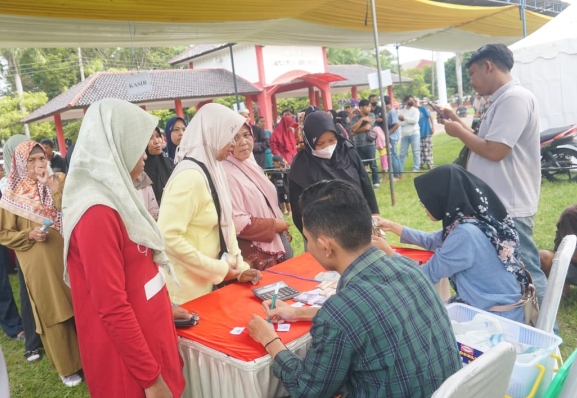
[(260, 330), (454, 129), (281, 313), (449, 114), (158, 390), (250, 275), (401, 117)]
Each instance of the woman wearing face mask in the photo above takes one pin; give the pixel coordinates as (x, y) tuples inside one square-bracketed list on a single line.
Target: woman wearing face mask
[(327, 156), (261, 230)]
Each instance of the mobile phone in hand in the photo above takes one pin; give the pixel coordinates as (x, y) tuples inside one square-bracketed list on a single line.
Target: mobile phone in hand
[(440, 113)]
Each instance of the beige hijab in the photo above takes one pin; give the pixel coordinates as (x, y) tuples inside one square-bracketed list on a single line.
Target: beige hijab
[(112, 138), (210, 130)]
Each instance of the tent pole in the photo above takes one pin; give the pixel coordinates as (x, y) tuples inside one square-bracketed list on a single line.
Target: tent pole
[(523, 17), (399, 70), (234, 77), (382, 97)]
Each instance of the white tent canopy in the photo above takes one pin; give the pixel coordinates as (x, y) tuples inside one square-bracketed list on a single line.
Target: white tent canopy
[(545, 63)]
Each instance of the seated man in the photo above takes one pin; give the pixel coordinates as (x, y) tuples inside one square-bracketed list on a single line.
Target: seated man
[(385, 333), (567, 225)]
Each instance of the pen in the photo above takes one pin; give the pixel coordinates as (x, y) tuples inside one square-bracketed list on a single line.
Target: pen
[(274, 296)]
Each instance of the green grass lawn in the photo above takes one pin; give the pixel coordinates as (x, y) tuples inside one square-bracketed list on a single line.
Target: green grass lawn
[(40, 380)]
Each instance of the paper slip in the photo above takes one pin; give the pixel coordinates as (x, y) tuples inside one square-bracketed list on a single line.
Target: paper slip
[(297, 304), (283, 327), (237, 330)]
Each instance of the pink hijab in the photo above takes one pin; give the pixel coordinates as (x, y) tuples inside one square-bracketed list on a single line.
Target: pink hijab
[(248, 188)]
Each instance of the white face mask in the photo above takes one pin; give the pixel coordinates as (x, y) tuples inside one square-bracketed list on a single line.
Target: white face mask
[(326, 152)]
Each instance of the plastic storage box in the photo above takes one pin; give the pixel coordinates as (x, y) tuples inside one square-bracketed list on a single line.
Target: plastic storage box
[(525, 374)]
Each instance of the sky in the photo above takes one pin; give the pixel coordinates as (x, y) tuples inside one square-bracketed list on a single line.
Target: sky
[(407, 54)]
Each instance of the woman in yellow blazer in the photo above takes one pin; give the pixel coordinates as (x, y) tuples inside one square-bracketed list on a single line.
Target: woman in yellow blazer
[(195, 215)]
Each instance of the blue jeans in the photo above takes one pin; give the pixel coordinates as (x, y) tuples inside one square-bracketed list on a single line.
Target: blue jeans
[(397, 168), (368, 152), (530, 254), (415, 142)]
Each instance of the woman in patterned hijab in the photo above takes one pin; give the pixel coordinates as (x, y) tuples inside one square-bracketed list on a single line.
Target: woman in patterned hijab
[(33, 197)]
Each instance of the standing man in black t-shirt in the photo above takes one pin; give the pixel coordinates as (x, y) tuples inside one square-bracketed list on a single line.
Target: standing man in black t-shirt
[(57, 162)]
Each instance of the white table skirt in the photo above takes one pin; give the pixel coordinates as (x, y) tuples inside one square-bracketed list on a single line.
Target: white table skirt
[(210, 373)]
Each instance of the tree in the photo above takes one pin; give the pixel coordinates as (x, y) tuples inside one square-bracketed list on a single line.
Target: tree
[(11, 114), (58, 68), (418, 87), (352, 56), (13, 57), (451, 76)]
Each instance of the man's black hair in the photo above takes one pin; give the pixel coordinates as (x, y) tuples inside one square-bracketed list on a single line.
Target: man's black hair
[(47, 141), (337, 209), (287, 110), (364, 102), (499, 54), (373, 95), (387, 100), (258, 119), (407, 97)]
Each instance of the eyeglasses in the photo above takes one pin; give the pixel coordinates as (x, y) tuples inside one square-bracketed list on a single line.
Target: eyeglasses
[(247, 137)]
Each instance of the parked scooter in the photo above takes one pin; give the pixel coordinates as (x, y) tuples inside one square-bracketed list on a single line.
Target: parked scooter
[(559, 153)]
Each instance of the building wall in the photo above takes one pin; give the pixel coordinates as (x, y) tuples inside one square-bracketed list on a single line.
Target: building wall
[(280, 60), (244, 61)]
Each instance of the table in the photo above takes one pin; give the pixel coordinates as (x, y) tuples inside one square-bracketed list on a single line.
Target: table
[(219, 364)]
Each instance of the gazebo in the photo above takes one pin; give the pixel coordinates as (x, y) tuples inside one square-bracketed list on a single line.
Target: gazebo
[(170, 89)]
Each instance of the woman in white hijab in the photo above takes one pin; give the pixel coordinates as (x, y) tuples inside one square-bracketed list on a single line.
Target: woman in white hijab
[(195, 215), (113, 249)]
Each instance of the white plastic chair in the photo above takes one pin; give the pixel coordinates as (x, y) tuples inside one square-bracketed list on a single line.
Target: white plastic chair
[(486, 377), (552, 298), (4, 390)]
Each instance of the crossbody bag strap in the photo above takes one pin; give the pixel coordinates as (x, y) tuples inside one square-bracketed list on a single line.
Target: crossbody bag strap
[(214, 194)]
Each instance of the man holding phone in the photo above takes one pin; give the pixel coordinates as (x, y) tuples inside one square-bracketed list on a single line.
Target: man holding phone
[(360, 126), (506, 152)]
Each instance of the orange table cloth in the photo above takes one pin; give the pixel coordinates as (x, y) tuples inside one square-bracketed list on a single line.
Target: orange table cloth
[(232, 306)]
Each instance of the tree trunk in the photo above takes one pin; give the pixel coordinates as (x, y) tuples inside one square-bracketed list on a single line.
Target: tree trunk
[(19, 89)]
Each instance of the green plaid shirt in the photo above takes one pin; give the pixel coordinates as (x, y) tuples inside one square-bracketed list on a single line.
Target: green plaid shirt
[(385, 333)]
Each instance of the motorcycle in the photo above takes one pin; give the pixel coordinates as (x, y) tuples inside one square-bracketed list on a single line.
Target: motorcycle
[(559, 154)]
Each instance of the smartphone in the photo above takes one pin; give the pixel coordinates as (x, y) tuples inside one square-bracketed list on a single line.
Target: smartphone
[(184, 323), (378, 230), (439, 111)]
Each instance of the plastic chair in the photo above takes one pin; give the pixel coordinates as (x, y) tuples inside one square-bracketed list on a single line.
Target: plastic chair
[(4, 390), (486, 377), (552, 298)]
